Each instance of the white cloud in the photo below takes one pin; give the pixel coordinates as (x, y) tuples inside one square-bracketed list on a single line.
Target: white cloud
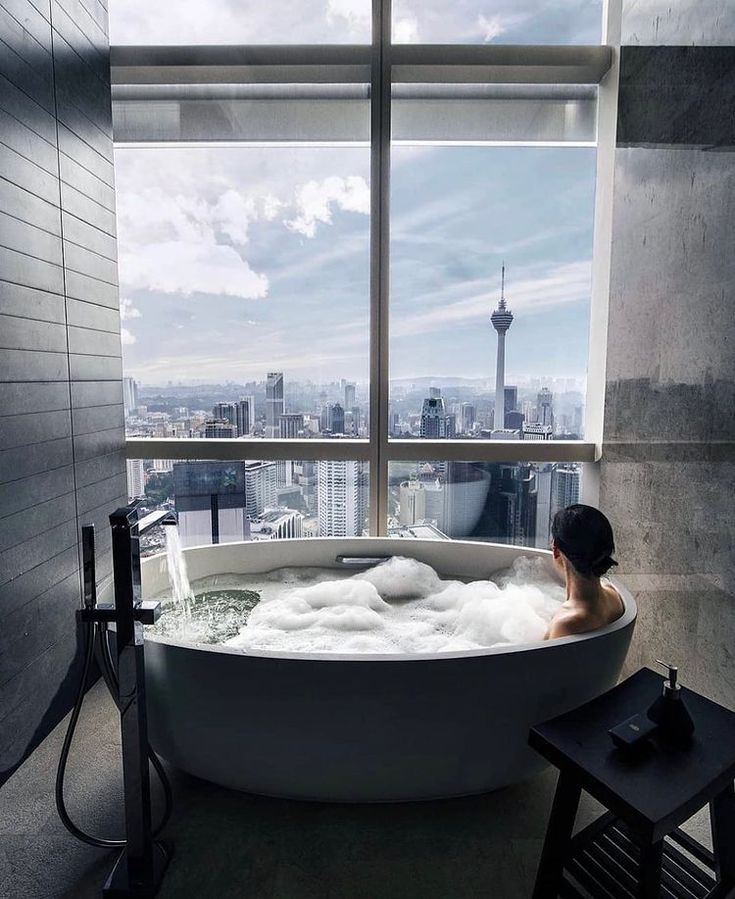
[(490, 28), (186, 268), (315, 201), (127, 310), (405, 30), (126, 338), (355, 14), (232, 213)]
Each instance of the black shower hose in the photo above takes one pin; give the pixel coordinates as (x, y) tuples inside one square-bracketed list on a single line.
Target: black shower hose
[(110, 676)]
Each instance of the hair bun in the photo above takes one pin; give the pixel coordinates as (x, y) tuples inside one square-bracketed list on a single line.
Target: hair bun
[(603, 565)]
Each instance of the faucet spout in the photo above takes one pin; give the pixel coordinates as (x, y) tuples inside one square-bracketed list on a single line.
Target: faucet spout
[(154, 519)]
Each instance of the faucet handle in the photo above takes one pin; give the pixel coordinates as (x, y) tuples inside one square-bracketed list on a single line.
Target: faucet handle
[(88, 565), (673, 671)]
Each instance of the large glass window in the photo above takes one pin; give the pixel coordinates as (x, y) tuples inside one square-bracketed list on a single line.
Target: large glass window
[(316, 240), (497, 22), (497, 502), (240, 22), (219, 501), (459, 215), (244, 285)]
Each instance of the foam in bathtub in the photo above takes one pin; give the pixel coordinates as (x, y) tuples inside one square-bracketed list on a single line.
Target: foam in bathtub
[(351, 616), (402, 578)]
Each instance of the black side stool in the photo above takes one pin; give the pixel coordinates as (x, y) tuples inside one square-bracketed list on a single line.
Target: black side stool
[(637, 848)]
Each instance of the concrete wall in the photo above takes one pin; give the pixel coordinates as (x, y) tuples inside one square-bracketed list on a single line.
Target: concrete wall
[(669, 464), (61, 420)]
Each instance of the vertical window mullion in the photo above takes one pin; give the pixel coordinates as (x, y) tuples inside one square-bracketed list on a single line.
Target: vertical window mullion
[(380, 123)]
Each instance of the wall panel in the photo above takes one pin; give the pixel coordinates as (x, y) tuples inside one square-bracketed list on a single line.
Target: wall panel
[(61, 426)]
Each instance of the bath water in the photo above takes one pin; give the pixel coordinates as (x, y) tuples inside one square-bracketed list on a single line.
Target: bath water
[(178, 576), (399, 606)]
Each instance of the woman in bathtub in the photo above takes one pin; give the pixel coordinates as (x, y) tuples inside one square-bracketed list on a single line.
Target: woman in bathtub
[(582, 543)]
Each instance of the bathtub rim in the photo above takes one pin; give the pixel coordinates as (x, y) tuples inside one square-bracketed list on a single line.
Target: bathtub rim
[(627, 619)]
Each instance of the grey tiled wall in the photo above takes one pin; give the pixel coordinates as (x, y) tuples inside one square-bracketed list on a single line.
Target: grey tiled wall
[(61, 420), (668, 472)]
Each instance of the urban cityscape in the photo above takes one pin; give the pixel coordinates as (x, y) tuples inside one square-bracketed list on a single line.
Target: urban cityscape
[(226, 501)]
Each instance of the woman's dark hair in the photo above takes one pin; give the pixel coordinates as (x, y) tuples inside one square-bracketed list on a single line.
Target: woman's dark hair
[(585, 537)]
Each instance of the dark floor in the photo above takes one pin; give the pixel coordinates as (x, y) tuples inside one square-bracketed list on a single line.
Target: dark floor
[(231, 844)]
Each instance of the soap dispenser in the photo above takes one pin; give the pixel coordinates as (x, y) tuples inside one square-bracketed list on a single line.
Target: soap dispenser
[(669, 712)]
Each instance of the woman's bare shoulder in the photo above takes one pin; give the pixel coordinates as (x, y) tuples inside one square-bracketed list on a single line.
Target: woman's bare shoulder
[(566, 623)]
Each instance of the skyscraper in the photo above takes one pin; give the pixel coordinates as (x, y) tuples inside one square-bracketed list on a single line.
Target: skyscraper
[(210, 502), (261, 482), (565, 487), (225, 411), (245, 415), (339, 501), (274, 404), (435, 423), (136, 477), (290, 425), (130, 395), (469, 414), (544, 408), (332, 419), (219, 428), (349, 395), (511, 399), (502, 319)]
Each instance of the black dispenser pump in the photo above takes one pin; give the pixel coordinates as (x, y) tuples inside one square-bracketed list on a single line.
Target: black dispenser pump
[(669, 711)]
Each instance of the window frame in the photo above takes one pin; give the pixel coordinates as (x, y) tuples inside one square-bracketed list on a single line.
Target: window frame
[(382, 64)]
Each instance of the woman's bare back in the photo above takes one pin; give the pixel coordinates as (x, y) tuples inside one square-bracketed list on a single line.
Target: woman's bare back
[(577, 617)]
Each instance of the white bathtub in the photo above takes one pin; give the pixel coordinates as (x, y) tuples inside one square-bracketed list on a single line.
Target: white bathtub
[(357, 728)]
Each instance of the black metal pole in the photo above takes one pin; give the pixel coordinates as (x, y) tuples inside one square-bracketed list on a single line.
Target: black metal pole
[(140, 867)]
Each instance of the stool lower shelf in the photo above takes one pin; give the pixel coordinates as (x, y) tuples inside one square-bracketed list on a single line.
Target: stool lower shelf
[(604, 859)]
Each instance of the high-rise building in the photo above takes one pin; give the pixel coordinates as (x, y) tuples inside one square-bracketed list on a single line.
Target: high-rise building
[(514, 420), (274, 403), (277, 524), (534, 430), (349, 395), (210, 502), (469, 414), (544, 407), (136, 478), (245, 415), (510, 399), (544, 477), (502, 319), (435, 392), (130, 395), (565, 487), (412, 502), (261, 485), (225, 412), (435, 423), (219, 428), (290, 424), (333, 418), (518, 504), (394, 423), (339, 501)]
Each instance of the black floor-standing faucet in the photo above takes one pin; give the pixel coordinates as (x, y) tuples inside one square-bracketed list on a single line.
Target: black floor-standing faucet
[(142, 863)]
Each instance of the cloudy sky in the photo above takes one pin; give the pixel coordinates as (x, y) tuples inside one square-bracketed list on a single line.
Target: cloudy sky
[(238, 260), (348, 21)]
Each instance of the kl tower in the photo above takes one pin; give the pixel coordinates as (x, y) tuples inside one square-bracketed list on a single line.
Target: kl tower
[(502, 319)]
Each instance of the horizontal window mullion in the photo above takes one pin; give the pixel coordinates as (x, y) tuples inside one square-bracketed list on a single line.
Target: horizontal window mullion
[(492, 450), (235, 449)]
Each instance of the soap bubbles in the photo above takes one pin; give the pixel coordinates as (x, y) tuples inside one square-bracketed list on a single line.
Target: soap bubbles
[(403, 606), (399, 606)]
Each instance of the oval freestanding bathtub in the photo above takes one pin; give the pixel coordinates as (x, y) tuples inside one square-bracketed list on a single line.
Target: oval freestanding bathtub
[(365, 728)]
